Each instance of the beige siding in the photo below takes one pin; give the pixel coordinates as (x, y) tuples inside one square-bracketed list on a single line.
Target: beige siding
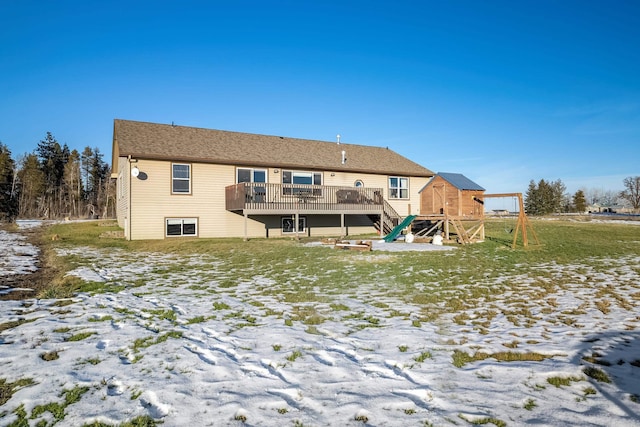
[(152, 202), (349, 179)]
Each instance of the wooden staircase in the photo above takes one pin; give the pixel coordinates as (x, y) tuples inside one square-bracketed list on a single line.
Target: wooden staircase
[(390, 219)]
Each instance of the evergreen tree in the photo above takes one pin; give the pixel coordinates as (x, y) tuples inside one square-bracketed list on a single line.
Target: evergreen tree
[(579, 201), (558, 197), (8, 196), (95, 175), (545, 198), (532, 200), (52, 159)]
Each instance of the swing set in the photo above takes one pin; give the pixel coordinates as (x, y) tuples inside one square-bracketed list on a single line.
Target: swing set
[(522, 225)]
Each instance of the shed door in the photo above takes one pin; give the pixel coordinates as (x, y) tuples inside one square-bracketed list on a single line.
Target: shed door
[(438, 199)]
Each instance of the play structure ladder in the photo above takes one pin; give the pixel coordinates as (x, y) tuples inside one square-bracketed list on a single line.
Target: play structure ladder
[(398, 229), (463, 236)]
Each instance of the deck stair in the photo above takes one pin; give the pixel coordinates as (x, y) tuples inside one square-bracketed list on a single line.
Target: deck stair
[(390, 219)]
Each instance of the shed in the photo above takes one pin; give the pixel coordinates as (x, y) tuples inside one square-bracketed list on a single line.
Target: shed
[(452, 195)]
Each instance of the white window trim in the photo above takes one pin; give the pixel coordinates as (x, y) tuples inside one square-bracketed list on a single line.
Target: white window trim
[(253, 170), (399, 188), (181, 179), (292, 189), (302, 173), (182, 223), (302, 219)]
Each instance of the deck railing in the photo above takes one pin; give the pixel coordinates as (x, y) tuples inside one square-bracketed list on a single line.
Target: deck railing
[(277, 197)]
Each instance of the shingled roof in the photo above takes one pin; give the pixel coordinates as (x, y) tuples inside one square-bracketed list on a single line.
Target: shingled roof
[(188, 144)]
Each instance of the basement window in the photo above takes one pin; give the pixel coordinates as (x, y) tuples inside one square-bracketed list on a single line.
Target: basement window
[(177, 227), (289, 222)]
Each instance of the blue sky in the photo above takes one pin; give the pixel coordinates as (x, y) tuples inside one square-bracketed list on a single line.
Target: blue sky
[(501, 91)]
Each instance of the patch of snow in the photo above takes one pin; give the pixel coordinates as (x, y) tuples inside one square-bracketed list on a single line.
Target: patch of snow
[(25, 224), (16, 255), (145, 355)]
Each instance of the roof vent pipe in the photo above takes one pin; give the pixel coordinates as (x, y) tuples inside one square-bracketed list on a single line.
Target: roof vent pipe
[(344, 157), (338, 137)]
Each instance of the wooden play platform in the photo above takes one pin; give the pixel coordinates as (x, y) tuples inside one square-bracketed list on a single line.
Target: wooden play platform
[(453, 204)]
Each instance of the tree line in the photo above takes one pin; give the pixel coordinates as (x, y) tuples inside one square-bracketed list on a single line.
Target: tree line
[(53, 182), (548, 197)]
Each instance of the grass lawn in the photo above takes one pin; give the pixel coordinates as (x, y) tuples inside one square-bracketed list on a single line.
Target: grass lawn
[(178, 329), (456, 279)]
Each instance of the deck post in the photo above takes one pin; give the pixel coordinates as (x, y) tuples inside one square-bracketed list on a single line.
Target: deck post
[(246, 216), (446, 227), (342, 232), (295, 224)]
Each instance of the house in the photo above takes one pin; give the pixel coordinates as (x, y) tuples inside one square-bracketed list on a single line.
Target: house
[(175, 181), (452, 195)]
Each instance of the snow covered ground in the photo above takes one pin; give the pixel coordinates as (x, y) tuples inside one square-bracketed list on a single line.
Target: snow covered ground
[(189, 349), (16, 257)]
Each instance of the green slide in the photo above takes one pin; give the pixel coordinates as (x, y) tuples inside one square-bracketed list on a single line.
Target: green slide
[(398, 229)]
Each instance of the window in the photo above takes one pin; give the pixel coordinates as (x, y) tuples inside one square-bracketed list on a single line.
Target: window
[(302, 178), (288, 222), (182, 227), (181, 178), (256, 193), (251, 175), (398, 187)]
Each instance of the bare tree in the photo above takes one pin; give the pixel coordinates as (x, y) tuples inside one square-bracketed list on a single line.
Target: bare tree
[(31, 184), (632, 191), (593, 196), (72, 185)]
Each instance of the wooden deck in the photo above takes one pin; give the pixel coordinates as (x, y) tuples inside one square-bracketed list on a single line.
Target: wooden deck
[(274, 199)]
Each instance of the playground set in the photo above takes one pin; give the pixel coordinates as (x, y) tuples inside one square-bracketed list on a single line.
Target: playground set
[(453, 204)]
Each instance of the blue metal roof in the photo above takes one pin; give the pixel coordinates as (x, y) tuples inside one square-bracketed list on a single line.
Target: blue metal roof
[(460, 181)]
